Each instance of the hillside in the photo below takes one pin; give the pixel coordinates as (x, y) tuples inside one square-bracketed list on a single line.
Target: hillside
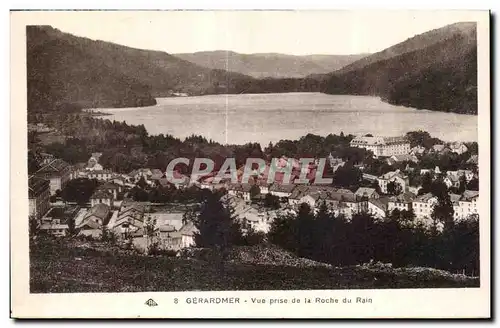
[(66, 69), (64, 74), (436, 70), (70, 266), (275, 65)]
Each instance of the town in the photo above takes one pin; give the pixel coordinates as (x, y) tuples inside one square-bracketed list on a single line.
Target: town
[(144, 207)]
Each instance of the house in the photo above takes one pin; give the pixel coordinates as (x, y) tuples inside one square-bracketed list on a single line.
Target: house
[(263, 186), (458, 148), (176, 239), (417, 150), (188, 232), (93, 162), (452, 181), (57, 221), (58, 172), (455, 201), (168, 237), (136, 175), (377, 207), (366, 193), (432, 172), (241, 190), (401, 202), (423, 205), (130, 219), (101, 197), (111, 188), (311, 199), (369, 177), (162, 218), (119, 180), (97, 217), (438, 148), (414, 189), (468, 204), (281, 190), (100, 175), (382, 146), (335, 163), (473, 160), (402, 158), (469, 175), (55, 228), (341, 202), (176, 178), (78, 171), (393, 176), (156, 174), (297, 193), (38, 196)]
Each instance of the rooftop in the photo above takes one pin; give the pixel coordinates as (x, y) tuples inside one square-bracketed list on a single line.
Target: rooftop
[(378, 141), (424, 198)]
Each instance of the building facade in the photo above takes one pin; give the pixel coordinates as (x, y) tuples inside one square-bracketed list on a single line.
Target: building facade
[(383, 146), (58, 172), (39, 196)]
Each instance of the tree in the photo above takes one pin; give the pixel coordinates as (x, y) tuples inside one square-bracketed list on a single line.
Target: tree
[(443, 211), (347, 176), (79, 190), (394, 188), (283, 232), (217, 227), (152, 245), (272, 201), (142, 183), (463, 184), (426, 184), (473, 184), (254, 191), (71, 226)]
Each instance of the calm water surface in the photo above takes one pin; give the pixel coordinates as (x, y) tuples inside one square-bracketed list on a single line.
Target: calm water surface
[(237, 119)]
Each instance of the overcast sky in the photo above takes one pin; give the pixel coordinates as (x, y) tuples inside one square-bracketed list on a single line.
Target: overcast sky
[(288, 32)]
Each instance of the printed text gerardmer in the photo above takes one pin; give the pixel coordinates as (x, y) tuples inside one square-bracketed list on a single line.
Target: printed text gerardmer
[(256, 300)]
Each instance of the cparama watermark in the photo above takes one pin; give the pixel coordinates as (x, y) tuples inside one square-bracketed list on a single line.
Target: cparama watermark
[(305, 170)]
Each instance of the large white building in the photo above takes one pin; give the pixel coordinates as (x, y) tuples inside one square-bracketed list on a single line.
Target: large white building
[(393, 176), (383, 146), (467, 205), (423, 206)]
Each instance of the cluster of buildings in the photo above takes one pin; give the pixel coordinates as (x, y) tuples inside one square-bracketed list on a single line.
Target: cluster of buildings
[(382, 146), (390, 146), (110, 209)]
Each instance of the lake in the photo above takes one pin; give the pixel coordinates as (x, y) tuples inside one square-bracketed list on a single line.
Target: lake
[(238, 119)]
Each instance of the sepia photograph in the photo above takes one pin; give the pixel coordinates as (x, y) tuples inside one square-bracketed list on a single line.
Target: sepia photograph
[(200, 152)]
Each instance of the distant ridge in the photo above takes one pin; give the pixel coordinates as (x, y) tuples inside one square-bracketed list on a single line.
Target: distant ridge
[(275, 65)]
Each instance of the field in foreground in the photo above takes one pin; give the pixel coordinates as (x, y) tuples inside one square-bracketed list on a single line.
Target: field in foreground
[(73, 266)]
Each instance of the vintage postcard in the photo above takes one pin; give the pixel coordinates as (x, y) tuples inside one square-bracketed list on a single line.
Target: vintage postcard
[(250, 164)]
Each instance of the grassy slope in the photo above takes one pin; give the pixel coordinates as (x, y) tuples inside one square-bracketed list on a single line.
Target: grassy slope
[(57, 267)]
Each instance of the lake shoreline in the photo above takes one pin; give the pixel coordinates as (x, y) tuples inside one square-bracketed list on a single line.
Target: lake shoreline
[(272, 117)]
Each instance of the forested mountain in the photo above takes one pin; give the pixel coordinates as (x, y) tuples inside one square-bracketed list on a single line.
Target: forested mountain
[(436, 70), (63, 74), (262, 65), (65, 69)]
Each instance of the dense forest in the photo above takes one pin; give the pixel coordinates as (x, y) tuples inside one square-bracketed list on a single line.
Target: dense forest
[(440, 76), (436, 70)]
